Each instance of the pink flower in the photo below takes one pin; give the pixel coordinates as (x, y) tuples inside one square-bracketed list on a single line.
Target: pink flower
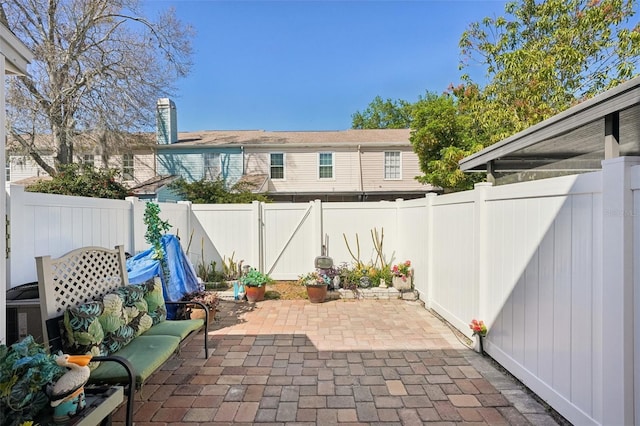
[(478, 327)]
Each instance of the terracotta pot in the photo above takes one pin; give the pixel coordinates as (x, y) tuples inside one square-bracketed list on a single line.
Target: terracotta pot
[(255, 294), (199, 314), (316, 293)]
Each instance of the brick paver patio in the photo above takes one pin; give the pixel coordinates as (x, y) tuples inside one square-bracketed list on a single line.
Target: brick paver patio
[(348, 362)]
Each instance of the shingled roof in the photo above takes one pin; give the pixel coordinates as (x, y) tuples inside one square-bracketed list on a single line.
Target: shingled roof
[(305, 138)]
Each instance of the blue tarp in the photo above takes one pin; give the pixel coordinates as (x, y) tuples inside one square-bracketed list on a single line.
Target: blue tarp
[(182, 277)]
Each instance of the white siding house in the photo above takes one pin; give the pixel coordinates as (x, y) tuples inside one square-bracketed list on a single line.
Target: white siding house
[(350, 165)]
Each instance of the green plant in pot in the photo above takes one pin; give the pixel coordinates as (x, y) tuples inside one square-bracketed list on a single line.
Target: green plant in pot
[(255, 283), (25, 371), (317, 283), (208, 298)]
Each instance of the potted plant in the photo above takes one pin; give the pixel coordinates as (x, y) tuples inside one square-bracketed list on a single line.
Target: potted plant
[(255, 283), (208, 298), (402, 275), (25, 371), (479, 329), (317, 283)]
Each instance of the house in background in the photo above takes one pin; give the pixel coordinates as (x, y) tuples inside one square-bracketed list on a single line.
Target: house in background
[(133, 156), (350, 165)]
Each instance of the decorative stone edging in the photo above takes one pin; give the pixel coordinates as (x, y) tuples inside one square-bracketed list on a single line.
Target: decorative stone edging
[(375, 293)]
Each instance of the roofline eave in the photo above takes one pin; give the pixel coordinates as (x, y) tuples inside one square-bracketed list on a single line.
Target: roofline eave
[(619, 98)]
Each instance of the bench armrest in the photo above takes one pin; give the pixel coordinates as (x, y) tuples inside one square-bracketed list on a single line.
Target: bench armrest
[(206, 320), (131, 385)]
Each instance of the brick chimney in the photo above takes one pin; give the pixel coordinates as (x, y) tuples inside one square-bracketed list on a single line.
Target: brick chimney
[(167, 122)]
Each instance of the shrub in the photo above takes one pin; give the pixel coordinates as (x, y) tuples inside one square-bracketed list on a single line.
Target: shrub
[(84, 181), (215, 192)]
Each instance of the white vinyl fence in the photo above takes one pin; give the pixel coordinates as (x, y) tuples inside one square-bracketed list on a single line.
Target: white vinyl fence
[(551, 266)]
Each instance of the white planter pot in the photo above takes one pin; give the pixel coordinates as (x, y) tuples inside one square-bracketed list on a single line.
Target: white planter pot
[(401, 284)]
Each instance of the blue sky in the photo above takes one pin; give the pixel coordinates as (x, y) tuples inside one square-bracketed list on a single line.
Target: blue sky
[(309, 65)]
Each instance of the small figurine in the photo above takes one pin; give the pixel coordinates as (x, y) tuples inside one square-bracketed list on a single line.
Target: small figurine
[(67, 396)]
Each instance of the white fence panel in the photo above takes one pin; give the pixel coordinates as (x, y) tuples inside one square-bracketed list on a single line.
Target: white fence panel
[(223, 231), (453, 292), (292, 238), (177, 215), (411, 241), (635, 213), (348, 220), (544, 281), (48, 224)]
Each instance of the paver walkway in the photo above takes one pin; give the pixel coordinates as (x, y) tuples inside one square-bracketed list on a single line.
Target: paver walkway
[(348, 362)]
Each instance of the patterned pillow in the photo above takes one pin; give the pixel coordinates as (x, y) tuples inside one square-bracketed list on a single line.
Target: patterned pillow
[(117, 333), (155, 300), (132, 297), (135, 308), (83, 333)]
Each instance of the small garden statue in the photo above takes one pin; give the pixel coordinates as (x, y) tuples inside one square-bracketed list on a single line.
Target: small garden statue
[(67, 397)]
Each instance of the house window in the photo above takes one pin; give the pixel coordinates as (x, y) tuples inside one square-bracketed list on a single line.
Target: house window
[(127, 166), (325, 165), (277, 165), (392, 167), (212, 167), (87, 159), (7, 170)]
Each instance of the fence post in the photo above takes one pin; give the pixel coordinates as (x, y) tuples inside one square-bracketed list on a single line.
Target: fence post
[(617, 300), (482, 238), (257, 232), (187, 237), (137, 223), (430, 197), (318, 228)]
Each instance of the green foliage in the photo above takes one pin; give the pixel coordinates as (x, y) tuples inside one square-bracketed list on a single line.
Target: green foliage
[(255, 278), (84, 181), (231, 269), (351, 275), (25, 370), (381, 114), (156, 228), (209, 272), (443, 133), (215, 192), (546, 56)]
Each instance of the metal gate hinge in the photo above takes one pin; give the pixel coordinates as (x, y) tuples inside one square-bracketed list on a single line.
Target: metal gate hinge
[(7, 237)]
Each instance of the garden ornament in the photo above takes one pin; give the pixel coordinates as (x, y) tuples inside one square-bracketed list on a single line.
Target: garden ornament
[(67, 396)]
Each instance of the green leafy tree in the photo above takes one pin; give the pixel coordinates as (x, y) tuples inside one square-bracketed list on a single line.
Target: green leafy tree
[(215, 192), (381, 114), (546, 56), (84, 181), (443, 133)]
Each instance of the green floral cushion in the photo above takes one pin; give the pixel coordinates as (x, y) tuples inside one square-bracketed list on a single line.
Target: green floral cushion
[(114, 321), (83, 333), (132, 297), (155, 300), (135, 308)]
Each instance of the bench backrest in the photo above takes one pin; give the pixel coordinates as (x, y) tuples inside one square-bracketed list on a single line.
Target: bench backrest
[(78, 277)]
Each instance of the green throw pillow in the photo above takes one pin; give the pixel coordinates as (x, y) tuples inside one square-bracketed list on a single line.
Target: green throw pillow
[(155, 300), (83, 333), (114, 321)]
